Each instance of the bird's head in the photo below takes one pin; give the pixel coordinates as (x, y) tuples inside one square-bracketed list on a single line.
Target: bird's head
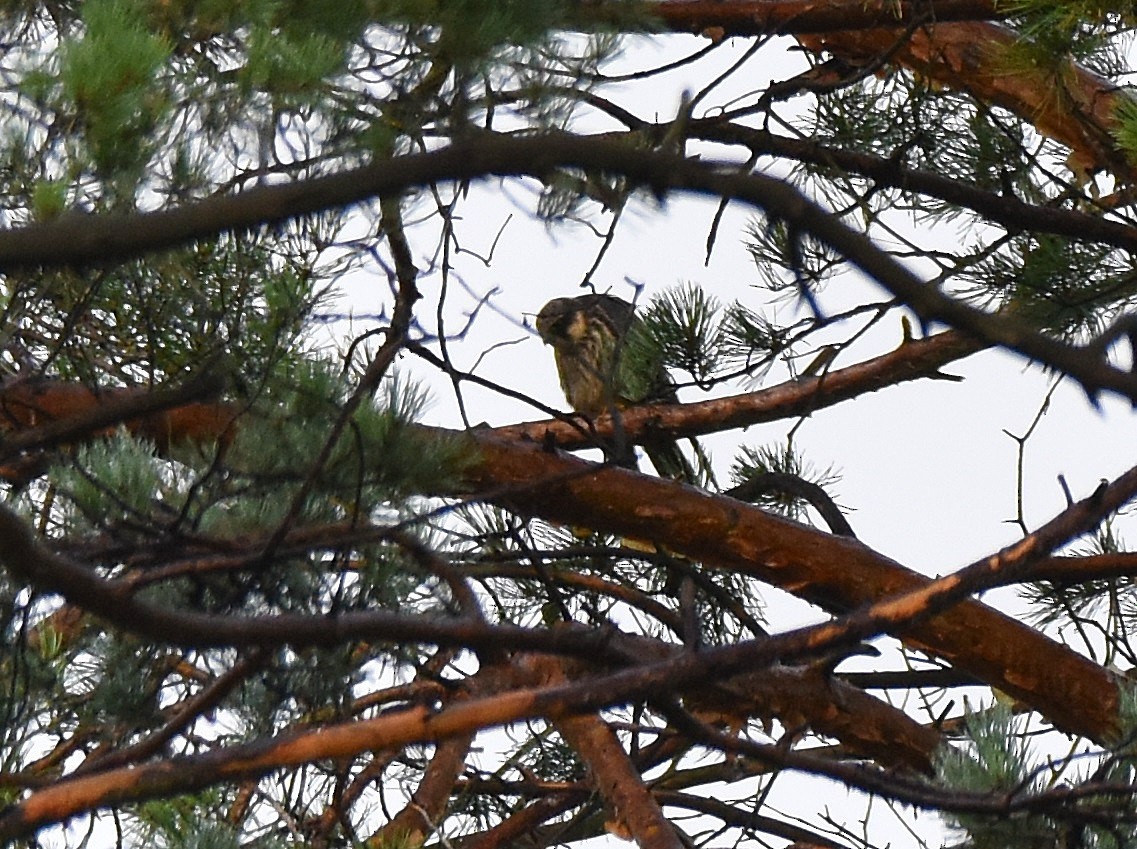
[(570, 322), (562, 322)]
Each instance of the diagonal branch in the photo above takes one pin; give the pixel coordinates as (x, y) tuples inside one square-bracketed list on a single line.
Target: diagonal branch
[(1003, 208), (837, 574), (763, 17), (77, 239), (418, 724), (48, 413), (913, 360), (1067, 103), (635, 811), (956, 45)]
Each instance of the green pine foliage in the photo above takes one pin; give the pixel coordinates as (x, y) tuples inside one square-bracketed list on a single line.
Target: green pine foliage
[(119, 485), (755, 463), (1126, 130), (112, 77), (684, 324), (998, 761), (698, 341), (1065, 286), (789, 263), (1082, 30), (325, 499), (176, 824), (1112, 601)]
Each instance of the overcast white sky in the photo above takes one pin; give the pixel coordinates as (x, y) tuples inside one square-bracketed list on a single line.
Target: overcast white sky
[(927, 471)]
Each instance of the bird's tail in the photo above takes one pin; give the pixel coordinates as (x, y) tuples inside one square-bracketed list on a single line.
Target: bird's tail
[(670, 462)]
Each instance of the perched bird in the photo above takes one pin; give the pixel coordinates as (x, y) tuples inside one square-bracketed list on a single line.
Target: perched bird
[(605, 365)]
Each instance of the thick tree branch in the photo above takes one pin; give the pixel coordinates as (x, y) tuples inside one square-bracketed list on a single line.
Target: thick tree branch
[(764, 17), (184, 774), (914, 360), (954, 44), (827, 706), (908, 612), (1067, 102), (807, 697), (837, 574), (419, 819), (635, 813), (76, 239), (42, 413), (1091, 567), (1003, 209), (419, 724)]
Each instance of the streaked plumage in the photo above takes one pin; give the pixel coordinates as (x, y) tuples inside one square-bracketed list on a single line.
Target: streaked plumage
[(589, 335)]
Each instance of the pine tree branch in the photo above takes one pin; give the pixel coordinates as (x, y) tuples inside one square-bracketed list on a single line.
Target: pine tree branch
[(1069, 104), (796, 695), (954, 44), (560, 798), (48, 413), (635, 813), (809, 697), (85, 239), (795, 487), (185, 713), (189, 773), (184, 774), (519, 824), (1003, 209), (69, 408), (1077, 569), (913, 360), (724, 18), (741, 817), (160, 779), (420, 817), (837, 574), (834, 572), (337, 809)]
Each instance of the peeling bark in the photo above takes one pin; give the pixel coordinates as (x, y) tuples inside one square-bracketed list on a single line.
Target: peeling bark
[(1066, 102), (835, 573)]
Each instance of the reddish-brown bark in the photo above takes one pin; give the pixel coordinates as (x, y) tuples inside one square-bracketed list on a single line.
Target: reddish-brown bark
[(165, 777), (633, 812), (27, 405), (808, 697), (1069, 105), (837, 574), (956, 45), (762, 17), (1066, 102), (525, 690), (420, 817), (912, 360)]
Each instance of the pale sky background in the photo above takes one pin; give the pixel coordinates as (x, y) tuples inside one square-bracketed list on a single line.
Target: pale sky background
[(925, 466), (927, 472)]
